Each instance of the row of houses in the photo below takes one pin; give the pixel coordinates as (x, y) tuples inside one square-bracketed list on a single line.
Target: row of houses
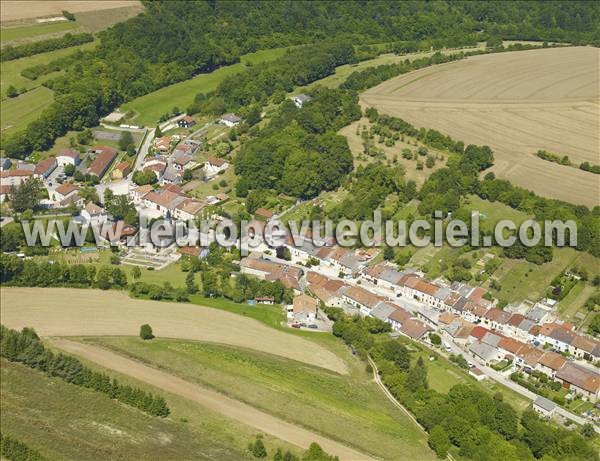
[(289, 276), (168, 201)]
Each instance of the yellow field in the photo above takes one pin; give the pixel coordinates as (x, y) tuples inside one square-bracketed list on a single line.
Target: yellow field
[(73, 312), (14, 10), (517, 103)]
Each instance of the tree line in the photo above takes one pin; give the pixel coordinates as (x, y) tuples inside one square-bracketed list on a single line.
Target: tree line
[(29, 49), (25, 347), (483, 427)]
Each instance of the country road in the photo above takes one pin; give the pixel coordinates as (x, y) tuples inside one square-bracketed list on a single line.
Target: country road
[(208, 398)]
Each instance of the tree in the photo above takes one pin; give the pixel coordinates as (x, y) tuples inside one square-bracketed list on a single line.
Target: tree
[(190, 283), (146, 332), (126, 142), (417, 376), (187, 175), (158, 132), (587, 430), (258, 449), (439, 441), (388, 253), (136, 272), (12, 92), (26, 196), (435, 339), (69, 169), (141, 177), (316, 453)]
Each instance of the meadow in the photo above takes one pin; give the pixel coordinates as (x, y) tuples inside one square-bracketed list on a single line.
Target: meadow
[(10, 34), (75, 423), (347, 408), (18, 112)]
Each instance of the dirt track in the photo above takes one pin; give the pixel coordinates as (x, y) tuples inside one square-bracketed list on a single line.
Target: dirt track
[(208, 398), (516, 103), (73, 312)]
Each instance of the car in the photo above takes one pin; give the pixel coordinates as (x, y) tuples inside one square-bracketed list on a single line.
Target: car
[(471, 364), (303, 324), (295, 325), (313, 326)]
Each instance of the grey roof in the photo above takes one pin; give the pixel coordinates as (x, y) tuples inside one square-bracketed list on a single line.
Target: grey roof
[(303, 97), (231, 118), (172, 175), (429, 314), (453, 328), (350, 261), (382, 310), (460, 304), (5, 162), (483, 350), (544, 404), (562, 335), (491, 338), (536, 314), (526, 324), (442, 293), (391, 276)]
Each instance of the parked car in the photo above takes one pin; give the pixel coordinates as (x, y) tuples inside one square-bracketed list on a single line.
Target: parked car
[(313, 326), (295, 325)]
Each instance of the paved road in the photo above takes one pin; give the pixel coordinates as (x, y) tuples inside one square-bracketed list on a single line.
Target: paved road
[(210, 399), (139, 161)]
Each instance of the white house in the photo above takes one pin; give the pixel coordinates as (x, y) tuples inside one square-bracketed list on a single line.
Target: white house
[(213, 166), (230, 120), (544, 407), (64, 191), (94, 215), (68, 157), (301, 99)]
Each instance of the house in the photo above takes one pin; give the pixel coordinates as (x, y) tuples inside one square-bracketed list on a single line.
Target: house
[(301, 99), (305, 308), (382, 311), (14, 177), (172, 176), (330, 293), (289, 276), (230, 120), (188, 147), (163, 144), (64, 191), (188, 209), (397, 318), (158, 168), (363, 299), (118, 233), (580, 380), (414, 329), (103, 160), (5, 192), (477, 373), (121, 170), (94, 215), (549, 363), (544, 407), (528, 357), (68, 157), (136, 194), (586, 348), (186, 122), (496, 319), (5, 163), (264, 213), (213, 166), (265, 300), (484, 352), (45, 167)]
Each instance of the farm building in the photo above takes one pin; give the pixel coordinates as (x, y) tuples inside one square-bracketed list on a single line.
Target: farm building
[(230, 120), (44, 168), (68, 157)]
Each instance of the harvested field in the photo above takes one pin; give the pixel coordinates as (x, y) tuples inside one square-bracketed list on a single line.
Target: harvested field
[(14, 10), (73, 312), (517, 103)]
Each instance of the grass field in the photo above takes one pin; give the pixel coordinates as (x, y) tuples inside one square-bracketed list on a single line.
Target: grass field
[(15, 10), (347, 408), (9, 34), (551, 104), (63, 421), (17, 112), (149, 108)]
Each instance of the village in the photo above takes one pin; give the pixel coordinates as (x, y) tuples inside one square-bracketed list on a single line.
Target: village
[(516, 346)]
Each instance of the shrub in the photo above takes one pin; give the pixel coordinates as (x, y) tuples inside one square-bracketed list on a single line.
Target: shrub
[(146, 332)]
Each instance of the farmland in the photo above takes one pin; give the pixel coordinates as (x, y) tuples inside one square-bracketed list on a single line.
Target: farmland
[(18, 112), (111, 313), (347, 408), (516, 103), (14, 10)]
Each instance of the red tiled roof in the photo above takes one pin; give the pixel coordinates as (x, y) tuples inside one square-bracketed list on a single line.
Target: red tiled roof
[(102, 161), (479, 332)]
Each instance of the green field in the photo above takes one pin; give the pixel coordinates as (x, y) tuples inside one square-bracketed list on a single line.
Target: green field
[(17, 112), (11, 70), (346, 408), (9, 34), (149, 108), (63, 421)]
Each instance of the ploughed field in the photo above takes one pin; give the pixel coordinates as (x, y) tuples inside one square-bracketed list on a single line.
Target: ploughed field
[(516, 103), (13, 10)]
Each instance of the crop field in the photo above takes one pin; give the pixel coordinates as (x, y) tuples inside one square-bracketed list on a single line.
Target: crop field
[(95, 313), (75, 423), (18, 112), (15, 10), (517, 103), (348, 408), (9, 34)]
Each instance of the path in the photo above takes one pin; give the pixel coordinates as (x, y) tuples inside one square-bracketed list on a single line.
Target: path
[(208, 398), (392, 399)]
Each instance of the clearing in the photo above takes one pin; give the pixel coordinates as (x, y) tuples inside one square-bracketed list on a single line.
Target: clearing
[(99, 313), (210, 399), (347, 408), (20, 111), (517, 103)]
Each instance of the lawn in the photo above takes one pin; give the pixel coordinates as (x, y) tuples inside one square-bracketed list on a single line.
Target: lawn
[(490, 213), (263, 55), (346, 408), (63, 421), (9, 34), (17, 113)]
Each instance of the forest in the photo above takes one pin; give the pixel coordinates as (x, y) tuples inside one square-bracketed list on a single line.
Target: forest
[(172, 41)]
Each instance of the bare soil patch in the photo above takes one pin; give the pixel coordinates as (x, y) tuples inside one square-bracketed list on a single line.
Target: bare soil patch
[(14, 10), (74, 312), (516, 103), (208, 398)]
